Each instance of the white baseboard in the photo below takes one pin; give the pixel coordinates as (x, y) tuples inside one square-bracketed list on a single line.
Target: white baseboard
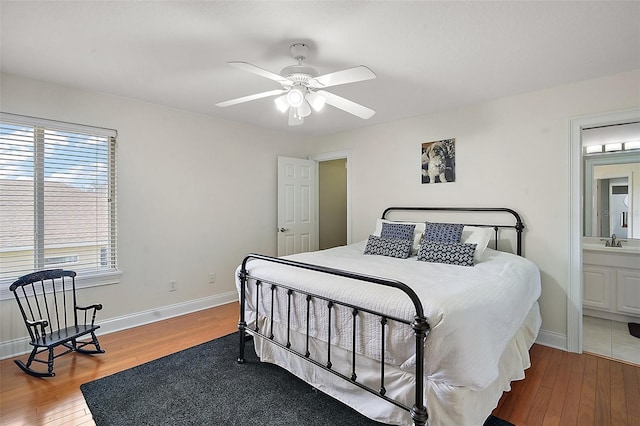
[(21, 346), (552, 339), (15, 347)]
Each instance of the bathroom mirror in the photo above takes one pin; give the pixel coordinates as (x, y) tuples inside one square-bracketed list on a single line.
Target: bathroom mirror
[(611, 164), (612, 195)]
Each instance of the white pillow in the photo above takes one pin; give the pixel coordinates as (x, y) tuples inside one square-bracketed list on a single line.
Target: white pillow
[(479, 236), (417, 232)]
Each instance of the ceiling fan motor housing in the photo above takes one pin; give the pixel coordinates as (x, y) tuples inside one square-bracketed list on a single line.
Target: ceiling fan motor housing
[(299, 73)]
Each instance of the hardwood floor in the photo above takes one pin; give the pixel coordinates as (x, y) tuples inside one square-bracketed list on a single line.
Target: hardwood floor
[(26, 400), (561, 388)]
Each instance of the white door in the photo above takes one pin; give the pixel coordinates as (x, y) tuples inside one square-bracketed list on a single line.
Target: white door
[(297, 206)]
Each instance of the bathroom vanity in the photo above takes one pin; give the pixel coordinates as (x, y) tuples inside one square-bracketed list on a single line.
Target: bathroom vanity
[(611, 280)]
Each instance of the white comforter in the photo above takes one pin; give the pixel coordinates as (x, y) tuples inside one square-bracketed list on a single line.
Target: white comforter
[(473, 312)]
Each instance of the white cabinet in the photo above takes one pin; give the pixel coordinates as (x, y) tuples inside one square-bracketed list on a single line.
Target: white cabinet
[(611, 285), (597, 287), (628, 289)]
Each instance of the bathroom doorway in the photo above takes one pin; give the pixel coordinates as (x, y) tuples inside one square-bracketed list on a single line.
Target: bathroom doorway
[(610, 179)]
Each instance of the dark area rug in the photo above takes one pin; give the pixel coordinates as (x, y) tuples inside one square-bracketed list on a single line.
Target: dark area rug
[(204, 385), (634, 329)]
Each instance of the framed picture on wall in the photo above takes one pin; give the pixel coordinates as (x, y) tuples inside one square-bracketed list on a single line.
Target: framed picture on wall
[(439, 161)]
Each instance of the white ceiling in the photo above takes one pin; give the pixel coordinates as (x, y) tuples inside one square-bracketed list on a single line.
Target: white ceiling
[(428, 56)]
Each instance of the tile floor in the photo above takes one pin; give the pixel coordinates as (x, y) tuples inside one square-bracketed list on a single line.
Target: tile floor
[(610, 338)]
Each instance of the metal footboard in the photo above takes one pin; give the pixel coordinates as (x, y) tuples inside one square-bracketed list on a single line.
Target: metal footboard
[(419, 325)]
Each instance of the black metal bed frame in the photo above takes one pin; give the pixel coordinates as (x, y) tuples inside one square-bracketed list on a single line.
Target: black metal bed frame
[(419, 324)]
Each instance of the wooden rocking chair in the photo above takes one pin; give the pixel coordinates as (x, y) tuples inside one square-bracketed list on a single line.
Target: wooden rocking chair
[(42, 298)]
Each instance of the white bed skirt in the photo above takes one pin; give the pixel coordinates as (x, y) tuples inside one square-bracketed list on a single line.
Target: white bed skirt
[(446, 405)]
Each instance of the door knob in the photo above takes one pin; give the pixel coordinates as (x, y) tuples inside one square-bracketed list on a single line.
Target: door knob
[(283, 230)]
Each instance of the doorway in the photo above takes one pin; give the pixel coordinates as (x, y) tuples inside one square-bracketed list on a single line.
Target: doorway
[(332, 203), (334, 198), (581, 216)]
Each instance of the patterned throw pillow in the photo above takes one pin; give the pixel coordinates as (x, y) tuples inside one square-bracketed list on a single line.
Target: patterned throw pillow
[(392, 247), (443, 232), (450, 253), (399, 231)]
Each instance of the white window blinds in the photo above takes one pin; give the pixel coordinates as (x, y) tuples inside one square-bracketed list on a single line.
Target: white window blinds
[(57, 197)]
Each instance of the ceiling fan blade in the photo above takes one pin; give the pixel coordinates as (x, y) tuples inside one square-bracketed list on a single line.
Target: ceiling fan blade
[(347, 105), (250, 98), (260, 71), (351, 75)]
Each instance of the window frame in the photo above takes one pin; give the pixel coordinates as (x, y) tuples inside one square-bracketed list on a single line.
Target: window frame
[(85, 278)]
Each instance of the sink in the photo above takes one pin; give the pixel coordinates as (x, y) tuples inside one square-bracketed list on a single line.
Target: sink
[(601, 247)]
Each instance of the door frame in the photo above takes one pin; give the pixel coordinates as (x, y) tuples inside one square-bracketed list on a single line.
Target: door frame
[(576, 215), (328, 156)]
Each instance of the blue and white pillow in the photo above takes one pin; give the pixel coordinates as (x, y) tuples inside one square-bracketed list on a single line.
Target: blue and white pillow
[(450, 253), (443, 232), (391, 247), (399, 231), (417, 232)]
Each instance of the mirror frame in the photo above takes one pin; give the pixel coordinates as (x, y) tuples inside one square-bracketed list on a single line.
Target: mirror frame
[(591, 161)]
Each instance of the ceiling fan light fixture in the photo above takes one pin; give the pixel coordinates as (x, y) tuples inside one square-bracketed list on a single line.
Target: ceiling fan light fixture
[(316, 101), (295, 97), (304, 110), (281, 103)]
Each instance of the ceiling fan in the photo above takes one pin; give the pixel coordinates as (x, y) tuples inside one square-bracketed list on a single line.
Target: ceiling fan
[(303, 89)]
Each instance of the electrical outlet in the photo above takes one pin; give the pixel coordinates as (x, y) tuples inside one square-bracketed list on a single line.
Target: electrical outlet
[(173, 285), (212, 277)]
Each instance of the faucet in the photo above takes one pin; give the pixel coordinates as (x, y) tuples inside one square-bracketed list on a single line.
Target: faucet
[(614, 242)]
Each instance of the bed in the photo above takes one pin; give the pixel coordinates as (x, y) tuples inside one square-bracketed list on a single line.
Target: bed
[(405, 327)]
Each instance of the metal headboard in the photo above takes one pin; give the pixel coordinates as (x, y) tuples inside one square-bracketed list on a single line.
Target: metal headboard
[(518, 225)]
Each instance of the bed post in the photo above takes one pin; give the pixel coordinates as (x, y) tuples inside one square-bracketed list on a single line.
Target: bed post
[(519, 227), (242, 324), (419, 411)]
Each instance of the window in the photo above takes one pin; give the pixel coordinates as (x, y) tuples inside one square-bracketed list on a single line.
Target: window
[(631, 145), (59, 260), (57, 198)]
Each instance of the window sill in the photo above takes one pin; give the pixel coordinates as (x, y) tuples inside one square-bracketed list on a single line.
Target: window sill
[(82, 281)]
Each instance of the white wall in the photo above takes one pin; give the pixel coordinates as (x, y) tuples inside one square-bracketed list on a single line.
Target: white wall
[(195, 194), (511, 152), (183, 179)]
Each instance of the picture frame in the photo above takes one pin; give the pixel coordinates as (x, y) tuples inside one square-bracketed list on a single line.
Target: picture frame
[(439, 161)]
